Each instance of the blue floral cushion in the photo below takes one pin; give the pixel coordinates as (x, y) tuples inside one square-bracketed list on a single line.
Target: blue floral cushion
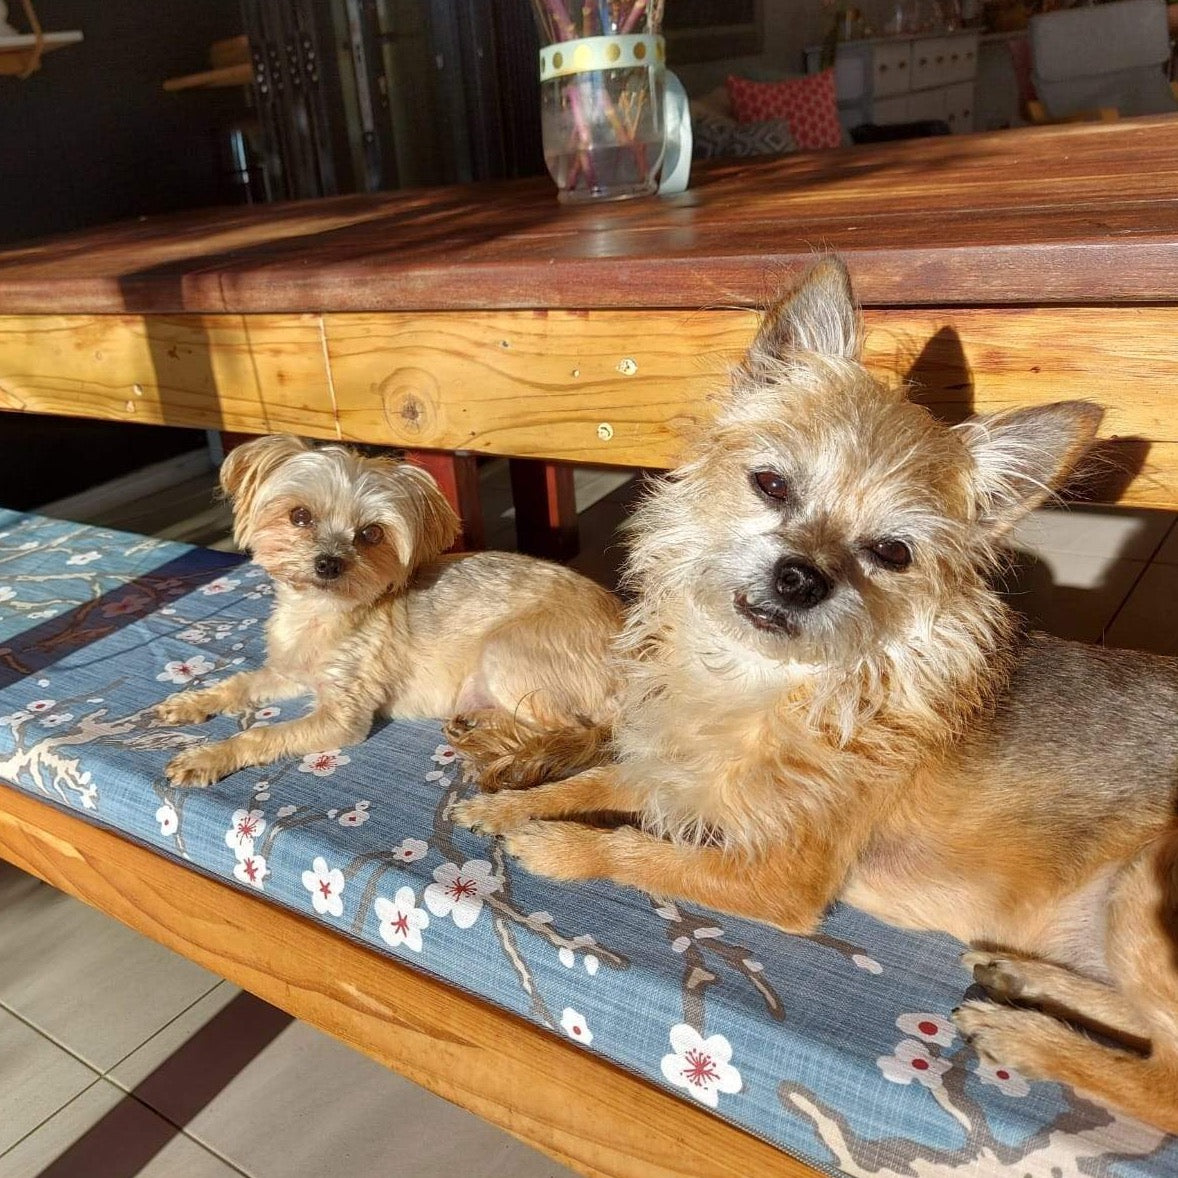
[(837, 1047)]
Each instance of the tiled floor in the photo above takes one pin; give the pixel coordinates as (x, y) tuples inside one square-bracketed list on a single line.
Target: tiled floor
[(118, 1058)]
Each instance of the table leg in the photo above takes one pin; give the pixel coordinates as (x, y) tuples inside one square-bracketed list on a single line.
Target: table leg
[(545, 508)]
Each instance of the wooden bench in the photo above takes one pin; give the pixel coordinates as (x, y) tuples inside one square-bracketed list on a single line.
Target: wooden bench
[(1002, 269)]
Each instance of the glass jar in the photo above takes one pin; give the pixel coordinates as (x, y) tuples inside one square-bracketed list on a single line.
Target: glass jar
[(601, 97)]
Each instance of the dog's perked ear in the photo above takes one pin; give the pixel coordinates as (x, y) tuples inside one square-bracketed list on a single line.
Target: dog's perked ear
[(432, 526), (247, 467), (818, 315), (1023, 456)]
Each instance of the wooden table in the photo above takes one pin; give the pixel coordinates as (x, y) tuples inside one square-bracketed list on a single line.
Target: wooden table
[(1009, 268)]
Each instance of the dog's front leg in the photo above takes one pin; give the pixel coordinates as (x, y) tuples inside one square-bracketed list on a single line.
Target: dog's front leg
[(776, 890), (336, 721), (235, 694), (590, 792)]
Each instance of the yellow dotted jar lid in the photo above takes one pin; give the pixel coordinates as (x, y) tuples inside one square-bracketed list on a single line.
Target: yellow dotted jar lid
[(601, 53)]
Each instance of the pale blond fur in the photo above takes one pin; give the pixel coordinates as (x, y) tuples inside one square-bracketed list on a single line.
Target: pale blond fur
[(370, 619), (825, 697)]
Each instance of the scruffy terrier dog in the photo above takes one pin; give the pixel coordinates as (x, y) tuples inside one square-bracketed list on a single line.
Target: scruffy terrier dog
[(826, 699), (370, 619)]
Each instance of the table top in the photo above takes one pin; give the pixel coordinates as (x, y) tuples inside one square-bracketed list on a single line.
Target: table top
[(1085, 213)]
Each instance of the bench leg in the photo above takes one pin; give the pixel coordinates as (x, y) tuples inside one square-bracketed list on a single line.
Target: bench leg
[(545, 508)]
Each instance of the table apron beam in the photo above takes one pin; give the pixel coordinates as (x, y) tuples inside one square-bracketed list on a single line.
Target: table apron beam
[(611, 387)]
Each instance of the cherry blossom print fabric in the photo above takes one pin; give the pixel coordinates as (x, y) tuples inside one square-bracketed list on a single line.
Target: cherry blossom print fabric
[(837, 1048)]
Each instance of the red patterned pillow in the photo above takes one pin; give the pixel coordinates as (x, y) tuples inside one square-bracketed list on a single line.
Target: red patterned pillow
[(808, 104)]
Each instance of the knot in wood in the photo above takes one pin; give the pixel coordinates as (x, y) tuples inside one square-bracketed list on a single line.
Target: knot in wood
[(409, 398)]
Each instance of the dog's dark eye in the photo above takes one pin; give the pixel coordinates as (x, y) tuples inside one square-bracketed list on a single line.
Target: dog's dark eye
[(301, 517), (894, 554), (372, 534), (771, 484)]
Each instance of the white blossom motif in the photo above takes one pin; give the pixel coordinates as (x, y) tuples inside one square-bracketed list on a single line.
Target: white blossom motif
[(458, 891), (410, 850), (443, 755), (56, 719), (574, 1025), (357, 816), (326, 885), (932, 1028), (324, 764), (84, 557), (699, 1065), (220, 585), (168, 819), (246, 827), (869, 964), (185, 670), (911, 1061), (1006, 1080), (401, 921), (251, 869)]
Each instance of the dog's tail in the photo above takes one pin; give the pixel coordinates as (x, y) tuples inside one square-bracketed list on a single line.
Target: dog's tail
[(500, 752)]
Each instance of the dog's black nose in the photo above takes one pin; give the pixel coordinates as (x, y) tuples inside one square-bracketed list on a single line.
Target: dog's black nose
[(799, 584), (328, 567)]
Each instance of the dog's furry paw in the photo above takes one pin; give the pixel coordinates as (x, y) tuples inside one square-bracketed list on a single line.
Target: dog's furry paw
[(490, 815), (999, 975), (185, 707), (1004, 1035), (197, 767), (559, 850)]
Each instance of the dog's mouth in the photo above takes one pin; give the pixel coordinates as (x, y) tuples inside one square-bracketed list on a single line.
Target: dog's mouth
[(765, 616)]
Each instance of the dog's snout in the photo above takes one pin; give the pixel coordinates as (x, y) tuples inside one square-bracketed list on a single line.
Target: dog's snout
[(328, 567), (799, 584)]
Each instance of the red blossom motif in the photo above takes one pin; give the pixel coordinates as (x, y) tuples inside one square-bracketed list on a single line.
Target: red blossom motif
[(700, 1069)]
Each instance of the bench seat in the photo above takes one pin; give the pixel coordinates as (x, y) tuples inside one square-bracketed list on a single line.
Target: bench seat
[(837, 1049)]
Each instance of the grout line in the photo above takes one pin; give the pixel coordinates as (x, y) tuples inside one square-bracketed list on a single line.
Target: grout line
[(41, 1124), (16, 1014), (1145, 567), (156, 1033)]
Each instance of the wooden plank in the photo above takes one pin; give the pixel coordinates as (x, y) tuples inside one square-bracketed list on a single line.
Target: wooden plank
[(555, 1096), (1085, 214), (618, 388), (253, 374), (608, 387)]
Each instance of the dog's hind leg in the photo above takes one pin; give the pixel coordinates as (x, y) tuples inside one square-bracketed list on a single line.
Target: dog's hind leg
[(1058, 991), (1142, 952), (500, 752)]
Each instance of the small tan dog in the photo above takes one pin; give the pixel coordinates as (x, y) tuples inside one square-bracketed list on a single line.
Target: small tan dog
[(370, 619), (827, 699)]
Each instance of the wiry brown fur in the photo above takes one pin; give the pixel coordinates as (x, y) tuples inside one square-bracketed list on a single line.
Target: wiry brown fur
[(395, 628), (898, 741)]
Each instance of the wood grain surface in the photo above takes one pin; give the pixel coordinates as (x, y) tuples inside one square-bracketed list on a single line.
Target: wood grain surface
[(574, 1106), (1086, 213), (611, 387)]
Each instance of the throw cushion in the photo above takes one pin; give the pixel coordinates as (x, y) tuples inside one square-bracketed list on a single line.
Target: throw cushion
[(808, 104)]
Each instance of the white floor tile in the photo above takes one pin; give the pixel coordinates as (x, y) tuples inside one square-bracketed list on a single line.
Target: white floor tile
[(1111, 532), (84, 979), (336, 1112), (36, 1079), (103, 1133), (1149, 619), (162, 1046)]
